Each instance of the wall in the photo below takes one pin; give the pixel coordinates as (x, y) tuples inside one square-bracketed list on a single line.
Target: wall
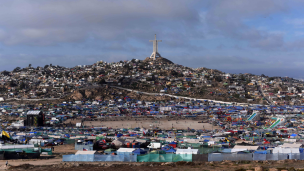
[(98, 158), (181, 157)]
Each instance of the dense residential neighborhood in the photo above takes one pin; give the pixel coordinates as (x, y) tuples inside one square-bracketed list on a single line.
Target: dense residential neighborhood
[(155, 76)]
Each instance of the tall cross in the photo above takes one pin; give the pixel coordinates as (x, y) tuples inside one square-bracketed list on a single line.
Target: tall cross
[(155, 48)]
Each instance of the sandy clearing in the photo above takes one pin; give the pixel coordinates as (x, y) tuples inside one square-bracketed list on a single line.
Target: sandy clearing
[(163, 124)]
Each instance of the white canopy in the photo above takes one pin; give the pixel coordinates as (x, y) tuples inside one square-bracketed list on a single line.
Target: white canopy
[(245, 147), (126, 150), (285, 150), (187, 151), (287, 145), (79, 152), (237, 150)]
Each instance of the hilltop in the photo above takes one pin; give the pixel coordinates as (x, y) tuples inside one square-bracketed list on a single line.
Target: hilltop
[(160, 59), (53, 82)]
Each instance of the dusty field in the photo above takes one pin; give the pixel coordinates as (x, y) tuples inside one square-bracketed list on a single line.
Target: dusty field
[(163, 124), (64, 149), (290, 165)]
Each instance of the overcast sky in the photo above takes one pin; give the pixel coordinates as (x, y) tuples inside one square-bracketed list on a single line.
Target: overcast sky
[(237, 36)]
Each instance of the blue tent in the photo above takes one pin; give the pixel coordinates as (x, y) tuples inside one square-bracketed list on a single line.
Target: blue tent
[(139, 151), (260, 152), (171, 150)]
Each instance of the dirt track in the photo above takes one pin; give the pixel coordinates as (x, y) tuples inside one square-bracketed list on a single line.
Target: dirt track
[(162, 123)]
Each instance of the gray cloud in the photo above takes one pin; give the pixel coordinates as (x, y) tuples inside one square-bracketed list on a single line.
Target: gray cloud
[(47, 23), (51, 22), (119, 30), (228, 18)]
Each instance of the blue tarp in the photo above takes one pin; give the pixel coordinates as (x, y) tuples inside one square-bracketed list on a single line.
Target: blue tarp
[(139, 151), (261, 152), (171, 150)]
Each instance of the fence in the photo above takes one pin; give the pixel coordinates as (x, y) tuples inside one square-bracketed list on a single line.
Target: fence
[(82, 158), (97, 158), (254, 156), (181, 157), (164, 157), (121, 158), (199, 157)]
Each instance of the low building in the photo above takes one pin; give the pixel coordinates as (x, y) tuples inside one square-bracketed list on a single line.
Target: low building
[(35, 118)]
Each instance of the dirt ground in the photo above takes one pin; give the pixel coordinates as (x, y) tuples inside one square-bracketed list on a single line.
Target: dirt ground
[(290, 165), (64, 149), (148, 123)]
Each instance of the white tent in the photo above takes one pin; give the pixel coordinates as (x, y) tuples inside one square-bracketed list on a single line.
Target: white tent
[(118, 142), (287, 145), (287, 148), (241, 147), (238, 148), (187, 151), (125, 150), (79, 152)]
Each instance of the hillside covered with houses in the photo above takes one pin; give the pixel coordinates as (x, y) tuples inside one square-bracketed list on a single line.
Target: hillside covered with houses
[(155, 76)]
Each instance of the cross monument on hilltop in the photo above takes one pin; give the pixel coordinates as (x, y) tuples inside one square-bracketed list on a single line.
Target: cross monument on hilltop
[(155, 53)]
